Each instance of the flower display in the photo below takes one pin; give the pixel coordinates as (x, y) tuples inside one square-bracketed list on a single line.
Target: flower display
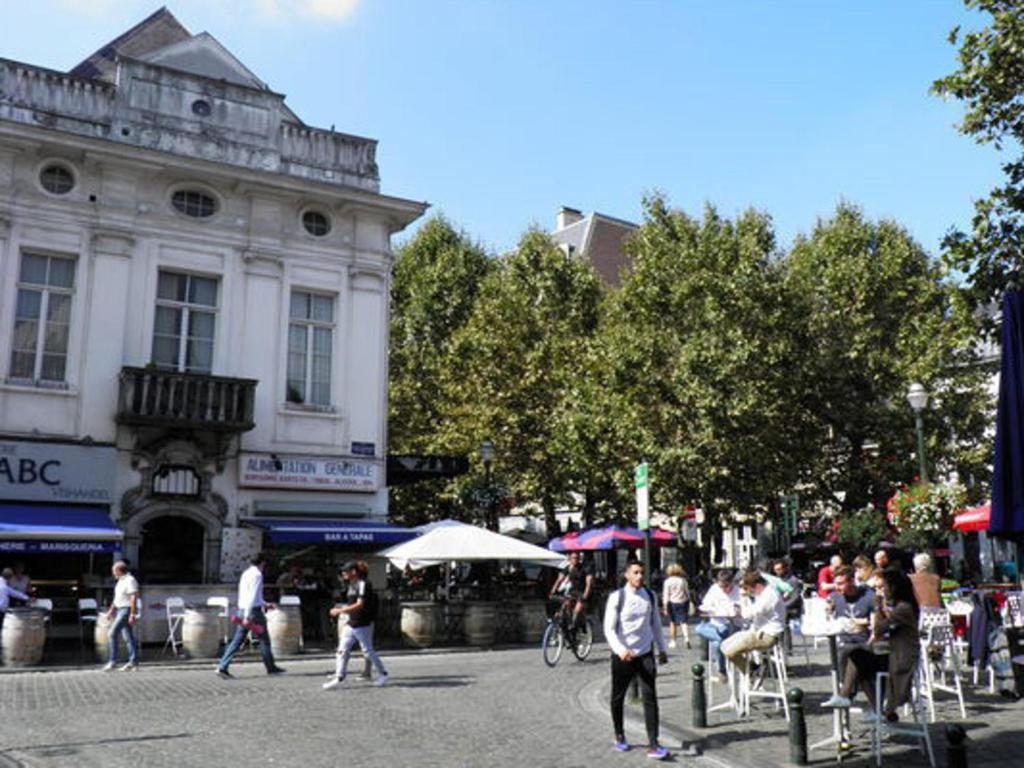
[(922, 513)]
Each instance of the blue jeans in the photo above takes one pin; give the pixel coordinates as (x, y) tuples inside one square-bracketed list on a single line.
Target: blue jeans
[(715, 631), (122, 627), (256, 617)]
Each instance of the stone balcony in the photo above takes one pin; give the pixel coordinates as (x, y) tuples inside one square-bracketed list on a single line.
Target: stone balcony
[(151, 397)]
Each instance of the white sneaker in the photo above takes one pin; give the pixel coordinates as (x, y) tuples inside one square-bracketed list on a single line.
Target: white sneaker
[(672, 644), (837, 702), (381, 680), (130, 667), (108, 667), (330, 685)]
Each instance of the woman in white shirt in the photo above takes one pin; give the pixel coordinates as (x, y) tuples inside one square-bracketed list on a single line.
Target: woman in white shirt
[(675, 603)]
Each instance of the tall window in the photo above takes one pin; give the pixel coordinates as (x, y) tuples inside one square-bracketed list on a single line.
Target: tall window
[(42, 318), (186, 314), (310, 339)]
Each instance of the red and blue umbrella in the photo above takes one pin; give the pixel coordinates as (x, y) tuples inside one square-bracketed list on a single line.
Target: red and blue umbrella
[(609, 537)]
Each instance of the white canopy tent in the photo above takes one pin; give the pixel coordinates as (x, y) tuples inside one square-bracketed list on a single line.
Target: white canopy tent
[(450, 540)]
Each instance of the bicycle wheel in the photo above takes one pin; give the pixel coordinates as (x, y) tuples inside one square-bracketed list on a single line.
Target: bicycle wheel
[(584, 640), (552, 643)]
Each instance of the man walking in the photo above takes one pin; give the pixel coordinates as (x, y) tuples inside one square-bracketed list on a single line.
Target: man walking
[(361, 610), (633, 631), (250, 618), (125, 609)]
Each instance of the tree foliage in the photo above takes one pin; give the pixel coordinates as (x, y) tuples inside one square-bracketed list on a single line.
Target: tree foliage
[(990, 83)]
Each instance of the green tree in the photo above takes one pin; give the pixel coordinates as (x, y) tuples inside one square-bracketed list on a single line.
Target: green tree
[(702, 344), (436, 279), (515, 364), (881, 316), (990, 83)]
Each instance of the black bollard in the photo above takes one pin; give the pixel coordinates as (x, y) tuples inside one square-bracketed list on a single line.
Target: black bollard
[(797, 728), (699, 699), (956, 750)]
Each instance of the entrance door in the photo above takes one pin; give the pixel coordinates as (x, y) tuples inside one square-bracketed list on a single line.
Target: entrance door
[(171, 550)]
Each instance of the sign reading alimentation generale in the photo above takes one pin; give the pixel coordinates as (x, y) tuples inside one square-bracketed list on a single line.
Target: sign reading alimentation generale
[(308, 473), (56, 472)]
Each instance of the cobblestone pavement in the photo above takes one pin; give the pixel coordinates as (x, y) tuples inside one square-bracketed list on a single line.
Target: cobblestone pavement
[(497, 708)]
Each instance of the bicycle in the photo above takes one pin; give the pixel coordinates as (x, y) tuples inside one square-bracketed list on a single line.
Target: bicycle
[(560, 633)]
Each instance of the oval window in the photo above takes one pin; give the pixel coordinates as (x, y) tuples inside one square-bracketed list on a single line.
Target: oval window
[(56, 179), (194, 203), (316, 223), (201, 107)]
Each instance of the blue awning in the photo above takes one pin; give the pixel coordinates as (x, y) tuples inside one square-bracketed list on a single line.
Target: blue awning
[(312, 531), (52, 528)]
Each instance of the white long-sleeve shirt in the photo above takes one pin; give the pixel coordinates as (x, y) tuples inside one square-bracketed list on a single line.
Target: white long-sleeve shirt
[(636, 627), (5, 594), (767, 613), (250, 590), (719, 603)]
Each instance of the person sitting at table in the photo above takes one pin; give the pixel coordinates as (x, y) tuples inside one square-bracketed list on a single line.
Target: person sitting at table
[(927, 585), (720, 608), (854, 606), (767, 617), (863, 571), (826, 577), (898, 618)]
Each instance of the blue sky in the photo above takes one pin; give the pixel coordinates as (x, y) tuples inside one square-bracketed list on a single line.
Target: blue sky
[(499, 111)]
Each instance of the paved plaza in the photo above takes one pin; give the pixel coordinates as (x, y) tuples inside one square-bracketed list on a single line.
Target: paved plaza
[(495, 708)]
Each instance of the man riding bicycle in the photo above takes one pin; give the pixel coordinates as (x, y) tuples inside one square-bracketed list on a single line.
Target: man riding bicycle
[(575, 583)]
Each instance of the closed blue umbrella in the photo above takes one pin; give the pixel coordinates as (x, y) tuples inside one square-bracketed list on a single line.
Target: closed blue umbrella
[(1008, 477)]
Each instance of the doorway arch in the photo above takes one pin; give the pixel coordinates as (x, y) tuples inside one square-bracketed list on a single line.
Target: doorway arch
[(172, 550)]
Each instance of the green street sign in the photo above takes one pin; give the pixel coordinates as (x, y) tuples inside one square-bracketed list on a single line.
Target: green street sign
[(640, 475)]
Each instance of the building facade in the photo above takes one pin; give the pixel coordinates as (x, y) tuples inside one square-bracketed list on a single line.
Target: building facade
[(193, 308)]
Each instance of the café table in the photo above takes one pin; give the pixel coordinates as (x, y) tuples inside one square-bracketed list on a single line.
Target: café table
[(840, 736)]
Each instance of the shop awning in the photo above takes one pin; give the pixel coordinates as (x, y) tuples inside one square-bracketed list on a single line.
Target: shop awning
[(313, 531), (54, 528)]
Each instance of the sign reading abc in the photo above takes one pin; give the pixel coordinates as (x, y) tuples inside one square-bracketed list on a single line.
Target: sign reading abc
[(263, 470), (31, 471)]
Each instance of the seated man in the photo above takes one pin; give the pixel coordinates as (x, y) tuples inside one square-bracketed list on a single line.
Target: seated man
[(720, 607), (767, 616), (854, 605)]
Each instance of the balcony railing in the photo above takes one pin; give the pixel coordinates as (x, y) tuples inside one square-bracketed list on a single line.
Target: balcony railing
[(150, 397)]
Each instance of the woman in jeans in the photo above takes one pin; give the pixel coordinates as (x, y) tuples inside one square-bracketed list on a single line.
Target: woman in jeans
[(675, 603)]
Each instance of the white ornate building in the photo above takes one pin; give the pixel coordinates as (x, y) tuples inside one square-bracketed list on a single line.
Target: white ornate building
[(193, 308)]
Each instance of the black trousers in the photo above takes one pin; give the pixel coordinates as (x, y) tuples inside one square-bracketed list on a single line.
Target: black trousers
[(641, 668)]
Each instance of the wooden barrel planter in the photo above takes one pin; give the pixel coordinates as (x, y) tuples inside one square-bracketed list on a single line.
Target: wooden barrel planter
[(23, 636), (284, 626), (481, 623), (201, 632), (421, 623), (533, 618)]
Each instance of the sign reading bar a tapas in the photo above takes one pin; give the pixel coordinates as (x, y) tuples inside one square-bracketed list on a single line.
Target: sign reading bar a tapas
[(307, 473)]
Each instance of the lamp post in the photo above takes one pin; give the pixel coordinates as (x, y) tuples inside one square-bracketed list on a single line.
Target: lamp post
[(917, 396), (487, 456)]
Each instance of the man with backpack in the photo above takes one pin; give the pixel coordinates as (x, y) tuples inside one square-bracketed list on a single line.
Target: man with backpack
[(361, 610), (633, 630)]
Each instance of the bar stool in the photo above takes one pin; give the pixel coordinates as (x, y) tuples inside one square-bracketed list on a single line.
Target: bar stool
[(937, 633), (775, 658), (175, 609), (88, 612), (224, 604), (880, 728), (732, 701)]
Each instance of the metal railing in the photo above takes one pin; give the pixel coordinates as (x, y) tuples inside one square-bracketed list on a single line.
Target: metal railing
[(161, 398)]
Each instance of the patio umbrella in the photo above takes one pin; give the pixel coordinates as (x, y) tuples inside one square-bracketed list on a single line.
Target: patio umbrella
[(1008, 475), (609, 537), (973, 519), (450, 540)]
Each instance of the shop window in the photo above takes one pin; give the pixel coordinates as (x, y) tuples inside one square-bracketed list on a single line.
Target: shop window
[(310, 343), (186, 318), (174, 480), (171, 551), (42, 318)]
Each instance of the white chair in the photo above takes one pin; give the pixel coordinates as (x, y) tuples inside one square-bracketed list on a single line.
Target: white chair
[(732, 700), (919, 729), (937, 636), (815, 619), (290, 600), (175, 608), (775, 659), (224, 604), (43, 604)]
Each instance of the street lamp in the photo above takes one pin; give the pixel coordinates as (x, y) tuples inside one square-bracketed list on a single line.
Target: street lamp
[(487, 456), (917, 396)]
